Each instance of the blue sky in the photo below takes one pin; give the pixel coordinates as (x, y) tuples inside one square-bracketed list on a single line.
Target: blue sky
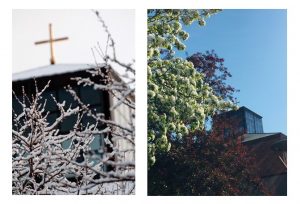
[(254, 46)]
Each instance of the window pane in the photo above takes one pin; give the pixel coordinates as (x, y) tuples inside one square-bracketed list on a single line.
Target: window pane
[(16, 106), (90, 120), (68, 123), (90, 96), (51, 118), (87, 120), (97, 143), (66, 144), (63, 95), (97, 148), (50, 104)]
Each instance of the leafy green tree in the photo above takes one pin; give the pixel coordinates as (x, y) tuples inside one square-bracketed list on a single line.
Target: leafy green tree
[(182, 95), (179, 100)]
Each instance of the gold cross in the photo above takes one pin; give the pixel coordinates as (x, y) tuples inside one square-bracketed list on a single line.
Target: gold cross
[(52, 61)]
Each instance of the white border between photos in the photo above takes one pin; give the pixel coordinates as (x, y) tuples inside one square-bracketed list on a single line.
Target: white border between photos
[(141, 97)]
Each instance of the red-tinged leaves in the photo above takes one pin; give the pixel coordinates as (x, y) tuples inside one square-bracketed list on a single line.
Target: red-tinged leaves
[(204, 163), (215, 72)]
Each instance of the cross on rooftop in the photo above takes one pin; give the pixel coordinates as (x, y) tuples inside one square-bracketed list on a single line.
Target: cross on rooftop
[(51, 40)]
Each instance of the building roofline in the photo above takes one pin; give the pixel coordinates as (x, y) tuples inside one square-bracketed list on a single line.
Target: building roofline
[(244, 107), (266, 133), (240, 109), (60, 69), (259, 136), (51, 70)]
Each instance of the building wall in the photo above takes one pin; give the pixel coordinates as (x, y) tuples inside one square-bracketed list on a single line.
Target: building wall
[(269, 167), (276, 184), (240, 121), (122, 115), (253, 123), (99, 100)]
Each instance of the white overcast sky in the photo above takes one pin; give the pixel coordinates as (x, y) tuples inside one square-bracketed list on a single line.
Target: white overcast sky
[(82, 28)]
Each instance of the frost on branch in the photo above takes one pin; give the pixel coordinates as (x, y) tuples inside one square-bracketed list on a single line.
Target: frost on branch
[(41, 163), (47, 161), (120, 85)]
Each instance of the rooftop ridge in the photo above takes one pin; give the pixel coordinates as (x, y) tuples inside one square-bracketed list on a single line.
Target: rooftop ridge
[(49, 70)]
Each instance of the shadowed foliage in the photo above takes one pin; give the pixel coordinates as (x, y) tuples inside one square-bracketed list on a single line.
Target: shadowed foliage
[(205, 163)]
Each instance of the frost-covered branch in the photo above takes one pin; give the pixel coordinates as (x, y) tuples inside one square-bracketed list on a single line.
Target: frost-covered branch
[(41, 163), (48, 160), (121, 89)]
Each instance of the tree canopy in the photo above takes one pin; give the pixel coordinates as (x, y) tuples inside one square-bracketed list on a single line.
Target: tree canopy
[(215, 72), (205, 163), (179, 99)]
